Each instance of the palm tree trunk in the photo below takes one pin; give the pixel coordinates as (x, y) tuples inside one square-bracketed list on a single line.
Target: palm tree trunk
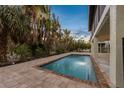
[(3, 47)]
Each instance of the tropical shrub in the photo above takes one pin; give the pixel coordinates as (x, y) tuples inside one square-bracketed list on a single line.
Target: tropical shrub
[(12, 57), (40, 52), (23, 51)]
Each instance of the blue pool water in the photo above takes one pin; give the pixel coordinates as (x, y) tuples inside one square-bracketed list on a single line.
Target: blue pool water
[(77, 66)]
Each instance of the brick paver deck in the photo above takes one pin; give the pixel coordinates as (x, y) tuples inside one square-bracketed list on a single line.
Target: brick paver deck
[(25, 75), (104, 67)]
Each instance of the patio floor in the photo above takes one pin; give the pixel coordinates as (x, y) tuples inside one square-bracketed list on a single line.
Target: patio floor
[(103, 63), (25, 75)]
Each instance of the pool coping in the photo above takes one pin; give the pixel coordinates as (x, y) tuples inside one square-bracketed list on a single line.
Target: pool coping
[(101, 81)]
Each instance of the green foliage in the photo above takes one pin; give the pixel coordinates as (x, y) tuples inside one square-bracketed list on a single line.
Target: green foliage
[(14, 22), (23, 51), (40, 52), (60, 50)]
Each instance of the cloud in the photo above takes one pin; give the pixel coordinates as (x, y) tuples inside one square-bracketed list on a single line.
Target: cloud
[(81, 33), (85, 38)]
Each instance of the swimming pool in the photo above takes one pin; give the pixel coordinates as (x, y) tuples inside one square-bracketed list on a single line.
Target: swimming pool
[(77, 66)]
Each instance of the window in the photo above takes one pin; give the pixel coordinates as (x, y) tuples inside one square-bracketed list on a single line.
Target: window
[(104, 47)]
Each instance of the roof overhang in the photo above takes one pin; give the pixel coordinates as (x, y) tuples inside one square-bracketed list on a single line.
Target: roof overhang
[(92, 9)]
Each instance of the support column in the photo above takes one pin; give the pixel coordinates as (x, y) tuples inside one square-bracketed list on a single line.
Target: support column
[(100, 48), (94, 47), (116, 54)]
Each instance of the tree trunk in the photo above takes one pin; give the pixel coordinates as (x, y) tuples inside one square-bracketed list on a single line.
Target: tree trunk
[(3, 47)]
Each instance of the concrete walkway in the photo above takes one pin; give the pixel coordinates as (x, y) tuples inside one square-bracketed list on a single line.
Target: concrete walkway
[(26, 75)]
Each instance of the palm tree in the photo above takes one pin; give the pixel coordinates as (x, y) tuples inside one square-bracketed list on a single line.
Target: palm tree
[(32, 12), (53, 33), (13, 24), (37, 19), (57, 34), (66, 38), (3, 43)]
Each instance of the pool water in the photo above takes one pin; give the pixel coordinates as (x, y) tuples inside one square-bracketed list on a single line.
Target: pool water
[(78, 66)]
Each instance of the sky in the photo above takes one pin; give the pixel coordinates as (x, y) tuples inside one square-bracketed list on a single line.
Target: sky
[(74, 18)]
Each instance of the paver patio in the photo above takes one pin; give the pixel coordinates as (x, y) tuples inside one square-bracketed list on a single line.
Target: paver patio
[(26, 75), (103, 64)]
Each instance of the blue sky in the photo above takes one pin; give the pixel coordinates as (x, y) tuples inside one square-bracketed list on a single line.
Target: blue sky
[(74, 18)]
